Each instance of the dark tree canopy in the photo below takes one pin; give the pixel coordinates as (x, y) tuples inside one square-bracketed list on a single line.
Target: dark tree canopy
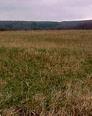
[(44, 25)]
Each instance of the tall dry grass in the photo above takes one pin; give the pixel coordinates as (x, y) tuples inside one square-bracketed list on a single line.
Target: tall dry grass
[(46, 73)]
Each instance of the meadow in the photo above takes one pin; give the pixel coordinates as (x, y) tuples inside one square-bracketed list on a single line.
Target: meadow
[(46, 73)]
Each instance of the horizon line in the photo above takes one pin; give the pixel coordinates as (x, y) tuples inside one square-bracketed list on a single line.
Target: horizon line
[(48, 20)]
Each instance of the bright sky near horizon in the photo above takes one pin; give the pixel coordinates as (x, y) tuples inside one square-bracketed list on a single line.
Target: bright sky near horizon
[(55, 10)]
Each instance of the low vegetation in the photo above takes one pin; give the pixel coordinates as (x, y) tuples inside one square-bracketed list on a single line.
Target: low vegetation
[(46, 73)]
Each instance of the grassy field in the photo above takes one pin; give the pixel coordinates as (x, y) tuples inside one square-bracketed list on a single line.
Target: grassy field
[(46, 73)]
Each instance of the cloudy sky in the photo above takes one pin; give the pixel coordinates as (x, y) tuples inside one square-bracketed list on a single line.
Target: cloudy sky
[(55, 10)]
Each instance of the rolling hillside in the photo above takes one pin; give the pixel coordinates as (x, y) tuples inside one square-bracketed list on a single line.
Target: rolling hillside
[(44, 25)]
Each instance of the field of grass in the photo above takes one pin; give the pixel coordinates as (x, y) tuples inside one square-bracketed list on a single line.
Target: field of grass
[(46, 73)]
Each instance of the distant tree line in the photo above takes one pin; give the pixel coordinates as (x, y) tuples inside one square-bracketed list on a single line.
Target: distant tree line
[(44, 25)]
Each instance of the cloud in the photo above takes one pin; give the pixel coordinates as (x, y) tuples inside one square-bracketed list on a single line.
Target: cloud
[(45, 9)]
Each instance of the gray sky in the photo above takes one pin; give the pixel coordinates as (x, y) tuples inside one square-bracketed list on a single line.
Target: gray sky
[(55, 10)]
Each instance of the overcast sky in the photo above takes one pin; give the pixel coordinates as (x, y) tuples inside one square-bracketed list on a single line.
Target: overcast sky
[(55, 10)]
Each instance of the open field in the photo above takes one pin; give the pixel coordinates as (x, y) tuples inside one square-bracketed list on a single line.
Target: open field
[(46, 73)]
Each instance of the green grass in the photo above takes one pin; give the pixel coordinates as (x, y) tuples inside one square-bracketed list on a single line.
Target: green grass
[(46, 72)]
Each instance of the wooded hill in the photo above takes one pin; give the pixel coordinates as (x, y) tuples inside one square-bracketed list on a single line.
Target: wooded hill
[(44, 25)]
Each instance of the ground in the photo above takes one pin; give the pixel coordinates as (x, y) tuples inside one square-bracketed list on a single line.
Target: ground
[(46, 73)]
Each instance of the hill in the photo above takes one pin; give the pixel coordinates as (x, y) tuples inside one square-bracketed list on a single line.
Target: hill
[(44, 25)]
